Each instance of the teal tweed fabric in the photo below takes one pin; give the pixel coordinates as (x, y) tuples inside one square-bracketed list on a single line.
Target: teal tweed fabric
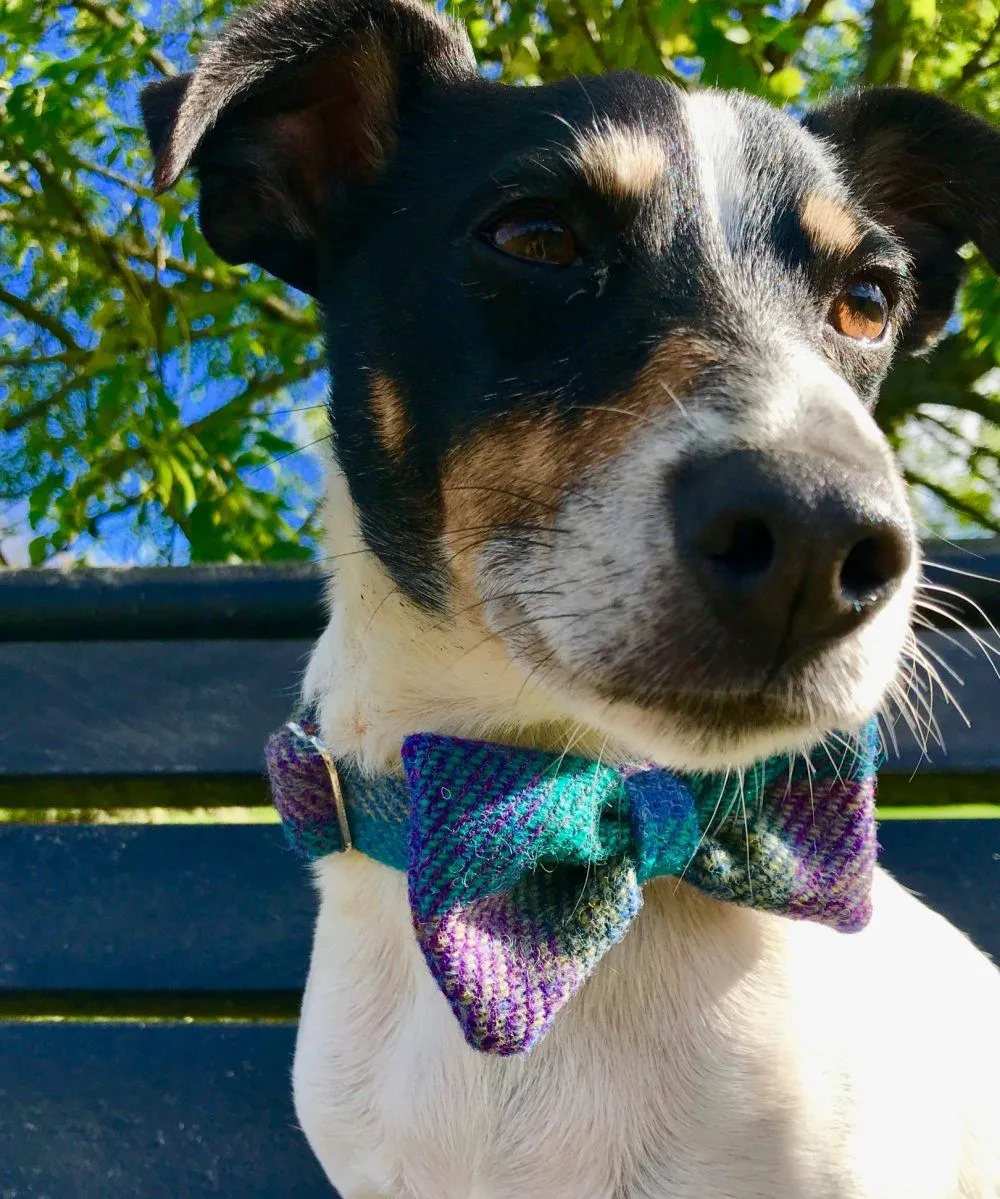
[(525, 867)]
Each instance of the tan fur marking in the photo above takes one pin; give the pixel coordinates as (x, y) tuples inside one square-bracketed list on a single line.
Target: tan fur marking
[(389, 415), (377, 87), (620, 163), (830, 225), (519, 469), (671, 372)]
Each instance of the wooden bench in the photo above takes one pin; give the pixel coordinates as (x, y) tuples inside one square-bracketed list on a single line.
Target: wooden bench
[(150, 972)]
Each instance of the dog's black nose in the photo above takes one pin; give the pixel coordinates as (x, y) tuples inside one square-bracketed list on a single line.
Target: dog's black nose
[(790, 551)]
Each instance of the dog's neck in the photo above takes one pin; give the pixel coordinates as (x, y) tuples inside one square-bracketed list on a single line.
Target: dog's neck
[(384, 669)]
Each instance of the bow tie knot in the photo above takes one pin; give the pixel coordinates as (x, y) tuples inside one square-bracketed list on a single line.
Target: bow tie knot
[(537, 809)]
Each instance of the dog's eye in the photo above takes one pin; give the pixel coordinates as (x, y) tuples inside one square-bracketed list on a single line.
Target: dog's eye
[(535, 238), (861, 311)]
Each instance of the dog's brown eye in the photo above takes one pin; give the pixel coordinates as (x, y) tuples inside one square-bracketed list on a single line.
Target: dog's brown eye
[(535, 239), (861, 312)]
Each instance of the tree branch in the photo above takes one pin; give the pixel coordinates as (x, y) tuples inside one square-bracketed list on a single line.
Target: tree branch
[(967, 400), (16, 422), (653, 41), (974, 66), (269, 303), (18, 186), (105, 245), (257, 389), (983, 69), (884, 45), (27, 361), (947, 377), (956, 503), (112, 176), (942, 425), (137, 34), (52, 325), (581, 22)]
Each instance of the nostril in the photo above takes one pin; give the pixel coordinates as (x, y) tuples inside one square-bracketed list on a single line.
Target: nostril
[(744, 547), (872, 566)]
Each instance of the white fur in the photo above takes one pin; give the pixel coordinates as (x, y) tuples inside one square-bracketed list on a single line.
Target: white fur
[(717, 1053), (720, 145)]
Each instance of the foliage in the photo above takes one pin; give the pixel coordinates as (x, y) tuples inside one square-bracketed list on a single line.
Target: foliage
[(147, 390)]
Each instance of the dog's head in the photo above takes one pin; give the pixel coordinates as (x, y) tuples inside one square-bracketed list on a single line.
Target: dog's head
[(604, 353)]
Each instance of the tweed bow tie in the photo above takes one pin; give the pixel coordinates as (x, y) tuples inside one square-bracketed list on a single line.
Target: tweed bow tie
[(525, 867)]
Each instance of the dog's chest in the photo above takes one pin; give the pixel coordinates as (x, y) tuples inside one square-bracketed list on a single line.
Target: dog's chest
[(715, 1054), (662, 1073)]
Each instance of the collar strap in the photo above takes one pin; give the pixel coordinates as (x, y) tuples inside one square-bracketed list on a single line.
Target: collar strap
[(524, 867)]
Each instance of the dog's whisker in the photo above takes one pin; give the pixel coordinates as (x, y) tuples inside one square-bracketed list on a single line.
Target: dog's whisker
[(530, 622), (922, 622), (746, 832), (886, 731), (933, 663), (916, 706), (989, 652), (955, 570), (503, 491), (940, 589), (824, 745), (560, 488), (276, 461), (706, 831)]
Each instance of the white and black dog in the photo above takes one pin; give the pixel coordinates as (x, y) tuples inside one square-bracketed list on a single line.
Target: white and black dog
[(604, 474)]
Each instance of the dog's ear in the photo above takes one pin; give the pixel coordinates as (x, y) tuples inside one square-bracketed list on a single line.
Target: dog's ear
[(295, 99), (930, 172)]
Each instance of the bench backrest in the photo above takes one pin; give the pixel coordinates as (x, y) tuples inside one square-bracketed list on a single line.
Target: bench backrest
[(150, 972)]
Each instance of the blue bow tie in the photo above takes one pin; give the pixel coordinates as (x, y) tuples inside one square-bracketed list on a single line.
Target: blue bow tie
[(524, 867)]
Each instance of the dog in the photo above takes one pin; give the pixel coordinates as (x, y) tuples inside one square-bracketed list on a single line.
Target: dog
[(604, 476)]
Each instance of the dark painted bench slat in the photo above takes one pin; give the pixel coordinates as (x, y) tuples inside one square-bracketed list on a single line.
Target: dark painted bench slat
[(227, 908), (90, 1111), (954, 866), (144, 707), (260, 601), (175, 907), (255, 601), (206, 707)]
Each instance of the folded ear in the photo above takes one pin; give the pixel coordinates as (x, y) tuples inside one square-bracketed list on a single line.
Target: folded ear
[(296, 98), (930, 172)]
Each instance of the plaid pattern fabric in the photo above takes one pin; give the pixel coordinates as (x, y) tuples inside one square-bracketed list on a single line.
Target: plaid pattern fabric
[(525, 867)]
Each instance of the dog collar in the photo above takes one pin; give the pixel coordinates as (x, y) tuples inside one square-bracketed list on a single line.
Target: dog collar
[(525, 867)]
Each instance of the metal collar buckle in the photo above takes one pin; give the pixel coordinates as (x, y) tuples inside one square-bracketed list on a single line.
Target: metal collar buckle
[(338, 794)]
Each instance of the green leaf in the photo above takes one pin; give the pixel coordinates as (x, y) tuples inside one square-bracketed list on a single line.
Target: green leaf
[(786, 84)]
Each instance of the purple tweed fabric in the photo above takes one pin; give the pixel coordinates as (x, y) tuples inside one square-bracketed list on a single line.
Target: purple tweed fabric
[(500, 851), (812, 848), (525, 867), (300, 787)]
